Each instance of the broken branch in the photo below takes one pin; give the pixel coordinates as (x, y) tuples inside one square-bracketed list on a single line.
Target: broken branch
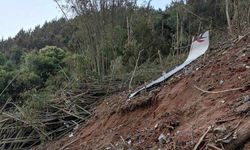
[(202, 137)]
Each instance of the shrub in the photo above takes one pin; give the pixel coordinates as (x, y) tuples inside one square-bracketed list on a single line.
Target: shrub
[(53, 52), (27, 80), (46, 62)]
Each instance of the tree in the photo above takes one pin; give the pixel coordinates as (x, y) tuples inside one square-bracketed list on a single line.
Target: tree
[(228, 17), (16, 54), (3, 59)]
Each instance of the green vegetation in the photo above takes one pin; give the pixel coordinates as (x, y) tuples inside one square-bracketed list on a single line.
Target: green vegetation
[(99, 47), (106, 41)]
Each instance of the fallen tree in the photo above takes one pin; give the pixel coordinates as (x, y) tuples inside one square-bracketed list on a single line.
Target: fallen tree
[(22, 128), (243, 135)]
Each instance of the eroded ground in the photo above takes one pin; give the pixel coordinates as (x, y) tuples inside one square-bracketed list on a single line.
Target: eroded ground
[(179, 109)]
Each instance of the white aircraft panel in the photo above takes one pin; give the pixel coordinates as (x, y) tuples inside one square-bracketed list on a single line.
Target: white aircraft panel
[(198, 47)]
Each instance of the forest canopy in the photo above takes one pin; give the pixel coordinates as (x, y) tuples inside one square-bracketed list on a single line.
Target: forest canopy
[(104, 38)]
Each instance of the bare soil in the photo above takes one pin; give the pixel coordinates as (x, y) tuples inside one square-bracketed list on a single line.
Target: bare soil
[(178, 109)]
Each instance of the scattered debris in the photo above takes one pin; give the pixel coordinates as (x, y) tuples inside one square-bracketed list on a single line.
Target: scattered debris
[(244, 108), (226, 120), (156, 126), (202, 137), (147, 124), (197, 49), (164, 139), (129, 142), (243, 105), (64, 114), (220, 129), (221, 82), (213, 147), (222, 101), (71, 135), (177, 132), (223, 91)]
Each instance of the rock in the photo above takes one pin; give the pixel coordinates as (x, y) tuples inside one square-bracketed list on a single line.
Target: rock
[(221, 82)]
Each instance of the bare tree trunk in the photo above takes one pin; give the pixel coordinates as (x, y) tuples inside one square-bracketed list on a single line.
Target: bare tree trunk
[(228, 18), (248, 15), (181, 33), (162, 28), (236, 19), (128, 30), (60, 7), (243, 135), (98, 62), (149, 3), (199, 29), (177, 33), (161, 62), (136, 65)]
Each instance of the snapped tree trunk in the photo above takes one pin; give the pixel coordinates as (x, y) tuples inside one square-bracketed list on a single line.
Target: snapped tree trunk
[(243, 135), (177, 33), (128, 30), (236, 19), (248, 15)]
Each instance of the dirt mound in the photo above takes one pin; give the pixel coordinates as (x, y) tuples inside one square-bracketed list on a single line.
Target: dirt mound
[(207, 103)]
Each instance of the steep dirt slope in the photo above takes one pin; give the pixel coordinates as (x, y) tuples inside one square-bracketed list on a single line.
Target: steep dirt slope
[(179, 109)]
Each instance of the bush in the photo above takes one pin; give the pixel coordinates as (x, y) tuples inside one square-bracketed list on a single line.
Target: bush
[(27, 80), (46, 62), (53, 52)]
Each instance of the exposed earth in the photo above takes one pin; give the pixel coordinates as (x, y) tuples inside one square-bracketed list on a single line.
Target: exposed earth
[(205, 106)]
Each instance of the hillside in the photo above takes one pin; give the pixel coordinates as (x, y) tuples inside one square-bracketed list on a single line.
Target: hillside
[(210, 97), (65, 84)]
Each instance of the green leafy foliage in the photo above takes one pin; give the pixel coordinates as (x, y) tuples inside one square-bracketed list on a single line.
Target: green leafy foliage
[(45, 63), (27, 80), (32, 74), (104, 40), (16, 55)]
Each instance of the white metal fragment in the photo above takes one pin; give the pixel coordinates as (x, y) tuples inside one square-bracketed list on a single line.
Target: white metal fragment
[(198, 47)]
